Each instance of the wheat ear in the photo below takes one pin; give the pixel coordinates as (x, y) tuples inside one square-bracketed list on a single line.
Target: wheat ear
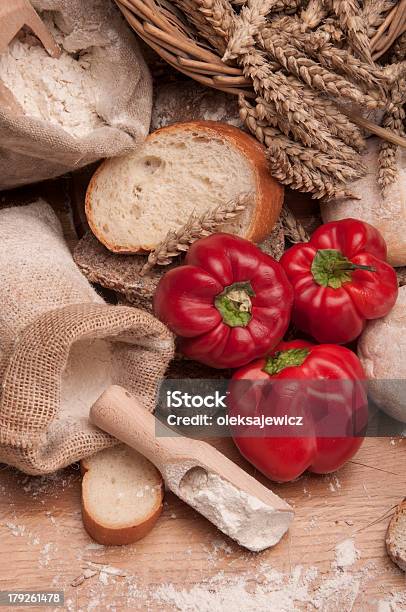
[(317, 46), (331, 28), (373, 14), (293, 229), (327, 143), (303, 168), (327, 112), (313, 14), (212, 18), (197, 226), (350, 18), (394, 119), (205, 29), (313, 74), (282, 104)]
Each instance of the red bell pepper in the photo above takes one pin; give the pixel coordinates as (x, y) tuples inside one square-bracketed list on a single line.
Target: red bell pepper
[(229, 304), (340, 280), (323, 385)]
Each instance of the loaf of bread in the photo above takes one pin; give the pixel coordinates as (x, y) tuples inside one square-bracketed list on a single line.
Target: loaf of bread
[(382, 350), (387, 213), (122, 495), (133, 201)]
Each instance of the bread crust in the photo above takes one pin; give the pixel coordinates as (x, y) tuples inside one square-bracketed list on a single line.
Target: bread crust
[(108, 536), (390, 541), (270, 193)]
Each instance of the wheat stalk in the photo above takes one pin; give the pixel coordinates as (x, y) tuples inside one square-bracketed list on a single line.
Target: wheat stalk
[(281, 103), (327, 112), (315, 75), (302, 168), (295, 54), (317, 46), (350, 19), (197, 226)]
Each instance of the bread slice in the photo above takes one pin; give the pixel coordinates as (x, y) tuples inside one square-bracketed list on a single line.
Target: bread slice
[(122, 494), (396, 536), (133, 201), (122, 273)]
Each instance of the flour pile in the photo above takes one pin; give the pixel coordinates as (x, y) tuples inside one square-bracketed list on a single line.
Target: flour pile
[(61, 91)]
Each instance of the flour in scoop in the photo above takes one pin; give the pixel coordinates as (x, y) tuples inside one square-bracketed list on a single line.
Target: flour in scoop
[(245, 518)]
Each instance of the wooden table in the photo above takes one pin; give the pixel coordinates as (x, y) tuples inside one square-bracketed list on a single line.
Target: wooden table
[(44, 545)]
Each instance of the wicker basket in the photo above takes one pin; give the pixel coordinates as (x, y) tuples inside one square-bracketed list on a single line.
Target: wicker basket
[(164, 28)]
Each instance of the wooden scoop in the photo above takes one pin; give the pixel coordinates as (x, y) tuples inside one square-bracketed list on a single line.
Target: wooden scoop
[(14, 14), (8, 102), (196, 472)]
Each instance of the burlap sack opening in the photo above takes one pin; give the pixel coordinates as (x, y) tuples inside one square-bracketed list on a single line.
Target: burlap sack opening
[(61, 346), (32, 150)]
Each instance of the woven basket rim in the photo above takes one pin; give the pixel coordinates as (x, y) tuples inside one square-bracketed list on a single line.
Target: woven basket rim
[(161, 23), (164, 28)]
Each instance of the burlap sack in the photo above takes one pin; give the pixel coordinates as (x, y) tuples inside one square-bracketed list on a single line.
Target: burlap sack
[(32, 150), (61, 346)]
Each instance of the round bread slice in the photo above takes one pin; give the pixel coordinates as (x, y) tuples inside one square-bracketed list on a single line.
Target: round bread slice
[(133, 201), (396, 536), (122, 495)]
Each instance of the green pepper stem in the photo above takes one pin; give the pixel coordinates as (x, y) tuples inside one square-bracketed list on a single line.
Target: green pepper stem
[(352, 266), (288, 358), (330, 268), (235, 305)]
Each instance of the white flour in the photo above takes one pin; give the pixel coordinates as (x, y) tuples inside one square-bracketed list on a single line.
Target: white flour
[(346, 553), (60, 91), (246, 519), (262, 590)]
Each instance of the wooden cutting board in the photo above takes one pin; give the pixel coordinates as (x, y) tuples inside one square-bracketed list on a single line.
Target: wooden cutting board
[(44, 546)]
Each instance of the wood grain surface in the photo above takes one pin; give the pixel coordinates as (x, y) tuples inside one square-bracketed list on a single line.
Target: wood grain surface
[(44, 545)]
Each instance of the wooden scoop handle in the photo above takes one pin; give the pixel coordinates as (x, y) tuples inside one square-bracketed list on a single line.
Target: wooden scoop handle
[(122, 416), (14, 15)]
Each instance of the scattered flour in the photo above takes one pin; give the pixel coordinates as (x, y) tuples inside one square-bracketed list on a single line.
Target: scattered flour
[(334, 483), (395, 603), (346, 553), (46, 554), (60, 91), (16, 530), (266, 590)]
